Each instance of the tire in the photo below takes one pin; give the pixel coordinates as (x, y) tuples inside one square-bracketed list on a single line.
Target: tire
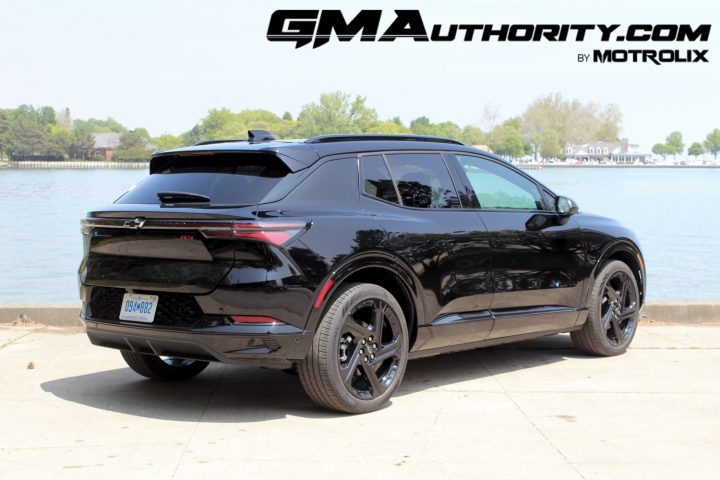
[(613, 312), (347, 369), (163, 368)]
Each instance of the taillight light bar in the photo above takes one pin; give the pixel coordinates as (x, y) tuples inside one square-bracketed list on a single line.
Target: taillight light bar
[(277, 233), (270, 232)]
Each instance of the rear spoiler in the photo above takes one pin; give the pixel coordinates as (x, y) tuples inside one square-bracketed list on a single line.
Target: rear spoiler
[(159, 160)]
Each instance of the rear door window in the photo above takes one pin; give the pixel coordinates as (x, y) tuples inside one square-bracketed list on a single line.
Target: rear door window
[(226, 178), (423, 180)]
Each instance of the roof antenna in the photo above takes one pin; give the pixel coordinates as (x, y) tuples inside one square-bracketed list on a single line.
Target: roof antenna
[(257, 136)]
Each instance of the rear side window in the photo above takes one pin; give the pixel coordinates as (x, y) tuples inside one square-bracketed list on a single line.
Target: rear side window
[(423, 180), (376, 179), (226, 178)]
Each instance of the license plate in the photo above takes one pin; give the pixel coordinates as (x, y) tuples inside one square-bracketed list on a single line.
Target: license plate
[(138, 308)]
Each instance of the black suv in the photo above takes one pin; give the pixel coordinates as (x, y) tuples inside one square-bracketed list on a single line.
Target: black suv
[(343, 256)]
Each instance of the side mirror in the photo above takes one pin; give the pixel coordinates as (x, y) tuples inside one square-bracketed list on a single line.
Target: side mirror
[(565, 206)]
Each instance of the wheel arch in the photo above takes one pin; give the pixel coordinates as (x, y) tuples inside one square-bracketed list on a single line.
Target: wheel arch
[(629, 253), (379, 268)]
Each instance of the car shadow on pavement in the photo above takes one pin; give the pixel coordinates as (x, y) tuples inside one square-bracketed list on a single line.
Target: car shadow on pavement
[(229, 393)]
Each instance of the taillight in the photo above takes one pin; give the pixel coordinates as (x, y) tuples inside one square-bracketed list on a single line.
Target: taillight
[(270, 232)]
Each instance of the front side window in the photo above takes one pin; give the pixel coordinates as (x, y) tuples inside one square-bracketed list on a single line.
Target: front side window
[(423, 180), (497, 186)]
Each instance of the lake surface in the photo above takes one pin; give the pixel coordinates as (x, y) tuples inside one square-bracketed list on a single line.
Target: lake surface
[(675, 212)]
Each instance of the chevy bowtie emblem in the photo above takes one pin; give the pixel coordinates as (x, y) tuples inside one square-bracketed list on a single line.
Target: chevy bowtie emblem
[(134, 224)]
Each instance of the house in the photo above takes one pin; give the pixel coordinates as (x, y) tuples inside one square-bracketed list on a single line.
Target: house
[(105, 144), (606, 152)]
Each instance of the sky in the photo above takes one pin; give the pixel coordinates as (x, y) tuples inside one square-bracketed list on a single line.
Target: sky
[(163, 64)]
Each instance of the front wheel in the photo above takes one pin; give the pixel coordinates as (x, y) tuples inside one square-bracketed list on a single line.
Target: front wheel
[(613, 312), (163, 368), (359, 352)]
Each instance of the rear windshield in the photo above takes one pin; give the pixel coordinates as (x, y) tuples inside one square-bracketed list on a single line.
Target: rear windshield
[(226, 178)]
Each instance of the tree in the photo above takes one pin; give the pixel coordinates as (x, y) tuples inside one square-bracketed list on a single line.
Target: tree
[(390, 127), (95, 125), (133, 146), (507, 139), (696, 149), (336, 112), (551, 146), (26, 134), (712, 142), (60, 140), (660, 149), (82, 142), (674, 143), (4, 126), (287, 116), (544, 123), (47, 116), (472, 135), (167, 141), (490, 116), (550, 121)]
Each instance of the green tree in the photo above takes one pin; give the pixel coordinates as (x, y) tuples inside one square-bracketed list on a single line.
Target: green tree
[(60, 140), (96, 125), (472, 135), (674, 143), (660, 149), (696, 149), (390, 127), (287, 116), (134, 146), (544, 124), (26, 133), (551, 146), (4, 126), (507, 140), (80, 146), (131, 139), (551, 120), (336, 112), (712, 142), (422, 126), (47, 116), (167, 141)]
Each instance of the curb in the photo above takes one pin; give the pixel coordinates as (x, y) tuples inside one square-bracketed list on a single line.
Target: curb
[(671, 313), (52, 315), (682, 313)]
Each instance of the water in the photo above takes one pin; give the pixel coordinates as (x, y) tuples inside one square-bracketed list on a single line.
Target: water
[(673, 211)]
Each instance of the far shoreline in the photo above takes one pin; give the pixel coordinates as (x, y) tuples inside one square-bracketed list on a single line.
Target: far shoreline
[(71, 164)]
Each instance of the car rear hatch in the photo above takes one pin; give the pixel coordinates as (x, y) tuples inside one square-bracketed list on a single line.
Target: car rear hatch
[(185, 226)]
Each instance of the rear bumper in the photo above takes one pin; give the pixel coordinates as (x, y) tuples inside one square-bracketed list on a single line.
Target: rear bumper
[(269, 346)]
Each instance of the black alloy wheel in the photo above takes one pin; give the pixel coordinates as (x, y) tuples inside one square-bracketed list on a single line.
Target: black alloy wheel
[(613, 312), (359, 352), (369, 348), (617, 309)]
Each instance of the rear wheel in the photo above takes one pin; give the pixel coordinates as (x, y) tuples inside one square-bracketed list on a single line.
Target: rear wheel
[(359, 352), (163, 368), (613, 312)]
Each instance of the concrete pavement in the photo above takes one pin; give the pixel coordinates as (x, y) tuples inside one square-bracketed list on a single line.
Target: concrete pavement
[(536, 410)]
